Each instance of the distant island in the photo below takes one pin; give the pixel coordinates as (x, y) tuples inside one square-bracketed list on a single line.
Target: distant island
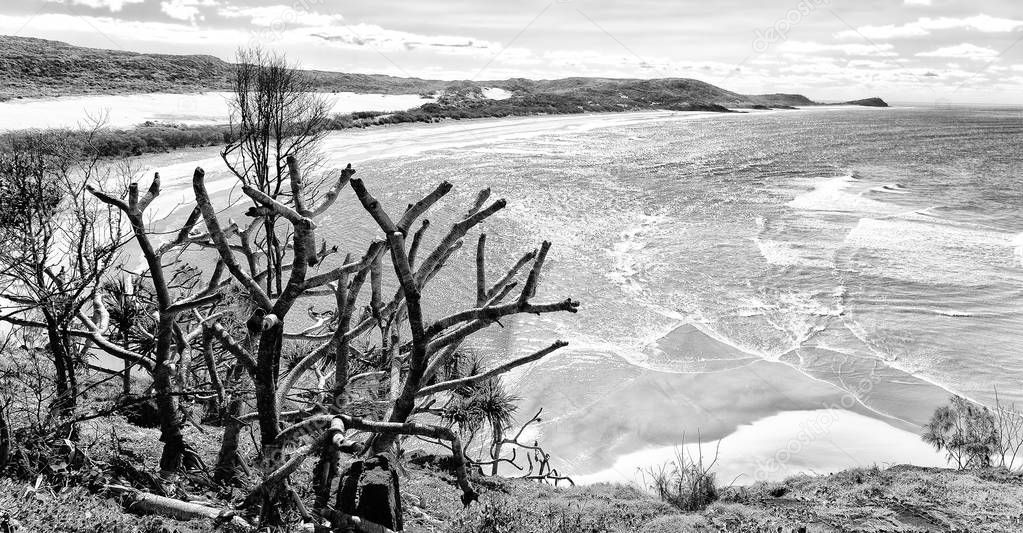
[(45, 68)]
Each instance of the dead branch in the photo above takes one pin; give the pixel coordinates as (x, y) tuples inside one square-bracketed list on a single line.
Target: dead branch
[(144, 502), (202, 199), (496, 371)]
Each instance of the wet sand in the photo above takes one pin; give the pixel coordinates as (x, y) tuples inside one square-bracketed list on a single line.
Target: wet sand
[(614, 417)]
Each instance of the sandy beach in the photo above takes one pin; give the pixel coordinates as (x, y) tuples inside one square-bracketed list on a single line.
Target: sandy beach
[(124, 111)]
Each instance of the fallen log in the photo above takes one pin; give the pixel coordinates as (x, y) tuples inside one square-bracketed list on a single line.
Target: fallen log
[(136, 501)]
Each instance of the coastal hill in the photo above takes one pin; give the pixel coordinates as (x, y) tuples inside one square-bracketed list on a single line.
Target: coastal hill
[(38, 67)]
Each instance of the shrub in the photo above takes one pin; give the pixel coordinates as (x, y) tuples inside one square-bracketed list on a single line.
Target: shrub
[(966, 431), (686, 483), (1009, 420)]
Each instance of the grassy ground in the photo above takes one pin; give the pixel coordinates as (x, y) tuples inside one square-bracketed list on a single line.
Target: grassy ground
[(898, 499)]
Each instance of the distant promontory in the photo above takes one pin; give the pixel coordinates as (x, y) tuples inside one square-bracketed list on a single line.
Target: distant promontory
[(41, 68)]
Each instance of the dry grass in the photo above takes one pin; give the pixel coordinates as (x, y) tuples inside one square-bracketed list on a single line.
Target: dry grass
[(687, 482)]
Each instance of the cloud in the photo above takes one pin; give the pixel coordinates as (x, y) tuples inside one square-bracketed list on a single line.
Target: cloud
[(280, 16), (187, 10), (962, 51), (111, 5), (385, 40), (810, 48), (918, 2), (62, 24), (926, 25)]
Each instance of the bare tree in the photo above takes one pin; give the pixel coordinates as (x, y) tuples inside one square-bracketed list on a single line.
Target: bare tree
[(170, 346), (269, 317), (409, 349), (274, 115), (56, 247)]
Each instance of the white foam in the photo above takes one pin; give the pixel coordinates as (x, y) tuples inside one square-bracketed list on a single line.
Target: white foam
[(783, 253), (832, 194), (923, 250), (893, 188), (1018, 243), (627, 261)]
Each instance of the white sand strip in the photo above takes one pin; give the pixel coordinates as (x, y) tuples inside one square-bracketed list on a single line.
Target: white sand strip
[(784, 445)]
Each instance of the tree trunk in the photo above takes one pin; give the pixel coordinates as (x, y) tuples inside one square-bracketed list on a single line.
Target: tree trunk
[(171, 418), (167, 401), (228, 459), (211, 370), (125, 328), (5, 443), (64, 364), (126, 379), (324, 474), (267, 371), (496, 450)]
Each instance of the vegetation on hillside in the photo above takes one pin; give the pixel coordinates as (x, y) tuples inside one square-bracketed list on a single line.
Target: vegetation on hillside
[(38, 67)]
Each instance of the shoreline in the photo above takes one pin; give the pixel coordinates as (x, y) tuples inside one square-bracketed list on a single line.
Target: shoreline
[(193, 109)]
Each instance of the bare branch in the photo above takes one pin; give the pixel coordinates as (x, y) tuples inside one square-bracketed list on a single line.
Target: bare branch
[(232, 346), (458, 230), (529, 290), (376, 247), (481, 273), (151, 194), (202, 199), (193, 302), (108, 199), (373, 206), (417, 240), (502, 369), (331, 196), (422, 206), (262, 198)]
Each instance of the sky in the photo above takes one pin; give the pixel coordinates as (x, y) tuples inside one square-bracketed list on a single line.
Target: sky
[(940, 52)]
